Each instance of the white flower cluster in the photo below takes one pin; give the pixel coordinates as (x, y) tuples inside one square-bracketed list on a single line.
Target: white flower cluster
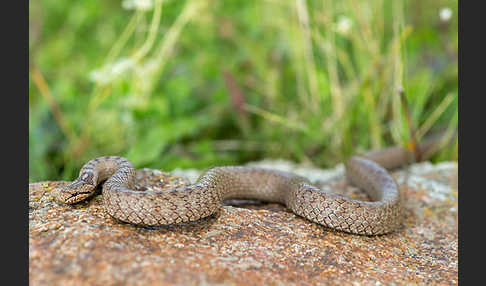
[(109, 73), (344, 25), (445, 14)]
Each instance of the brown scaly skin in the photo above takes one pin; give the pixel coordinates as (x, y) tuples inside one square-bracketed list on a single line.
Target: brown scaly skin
[(192, 202)]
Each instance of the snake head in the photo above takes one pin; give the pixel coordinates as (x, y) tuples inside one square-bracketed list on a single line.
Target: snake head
[(75, 192)]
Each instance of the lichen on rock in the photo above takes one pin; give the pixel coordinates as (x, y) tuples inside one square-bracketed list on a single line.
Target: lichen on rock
[(252, 244)]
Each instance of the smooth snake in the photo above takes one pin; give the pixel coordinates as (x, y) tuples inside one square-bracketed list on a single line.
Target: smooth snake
[(191, 202)]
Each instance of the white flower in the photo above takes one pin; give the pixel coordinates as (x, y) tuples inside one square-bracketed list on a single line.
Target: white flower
[(343, 25), (99, 75), (121, 66), (445, 14), (111, 72), (144, 5)]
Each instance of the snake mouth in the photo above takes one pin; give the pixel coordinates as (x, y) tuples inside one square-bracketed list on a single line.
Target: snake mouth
[(75, 195)]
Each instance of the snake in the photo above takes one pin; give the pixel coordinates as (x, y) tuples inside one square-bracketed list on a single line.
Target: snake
[(191, 202)]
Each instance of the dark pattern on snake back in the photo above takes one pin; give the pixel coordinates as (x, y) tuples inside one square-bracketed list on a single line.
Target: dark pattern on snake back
[(192, 202)]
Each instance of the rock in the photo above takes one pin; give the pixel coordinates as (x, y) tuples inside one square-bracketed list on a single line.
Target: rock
[(252, 244)]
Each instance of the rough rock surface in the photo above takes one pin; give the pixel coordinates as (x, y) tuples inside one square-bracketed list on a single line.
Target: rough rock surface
[(251, 244)]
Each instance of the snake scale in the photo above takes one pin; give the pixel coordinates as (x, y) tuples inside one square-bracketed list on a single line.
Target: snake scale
[(192, 202)]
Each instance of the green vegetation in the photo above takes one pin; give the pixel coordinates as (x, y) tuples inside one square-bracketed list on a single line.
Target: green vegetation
[(197, 83)]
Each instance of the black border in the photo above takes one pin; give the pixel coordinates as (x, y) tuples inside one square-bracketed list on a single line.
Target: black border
[(471, 79), (15, 149)]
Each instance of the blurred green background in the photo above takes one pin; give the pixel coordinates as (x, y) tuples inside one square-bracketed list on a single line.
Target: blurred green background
[(196, 83)]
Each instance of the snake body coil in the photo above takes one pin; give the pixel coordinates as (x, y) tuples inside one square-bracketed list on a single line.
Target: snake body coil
[(192, 202)]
